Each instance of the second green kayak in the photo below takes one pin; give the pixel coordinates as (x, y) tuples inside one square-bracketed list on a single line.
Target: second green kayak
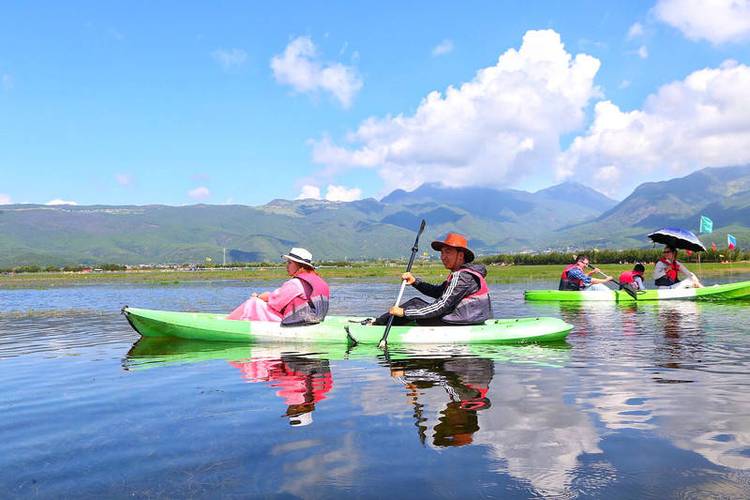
[(729, 291), (339, 329)]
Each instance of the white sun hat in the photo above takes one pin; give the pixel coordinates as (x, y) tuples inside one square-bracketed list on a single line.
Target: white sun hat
[(301, 420), (299, 255)]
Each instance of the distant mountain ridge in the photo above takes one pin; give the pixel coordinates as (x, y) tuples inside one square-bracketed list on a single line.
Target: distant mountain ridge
[(568, 215)]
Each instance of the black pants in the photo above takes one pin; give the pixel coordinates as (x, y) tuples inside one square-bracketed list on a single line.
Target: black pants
[(413, 303)]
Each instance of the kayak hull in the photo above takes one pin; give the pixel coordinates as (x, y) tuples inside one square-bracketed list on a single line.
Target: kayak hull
[(729, 291), (339, 329)]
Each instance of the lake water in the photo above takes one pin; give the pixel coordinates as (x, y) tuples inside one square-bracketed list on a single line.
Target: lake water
[(643, 401)]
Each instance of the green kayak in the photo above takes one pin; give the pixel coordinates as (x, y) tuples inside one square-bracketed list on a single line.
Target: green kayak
[(340, 329), (729, 291)]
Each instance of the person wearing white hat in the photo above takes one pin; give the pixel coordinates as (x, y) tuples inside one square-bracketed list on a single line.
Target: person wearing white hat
[(302, 300)]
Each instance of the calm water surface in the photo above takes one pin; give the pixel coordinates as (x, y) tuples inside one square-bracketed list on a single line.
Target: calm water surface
[(646, 401)]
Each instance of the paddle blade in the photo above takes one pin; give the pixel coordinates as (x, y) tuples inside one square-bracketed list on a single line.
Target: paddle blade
[(384, 340), (630, 292)]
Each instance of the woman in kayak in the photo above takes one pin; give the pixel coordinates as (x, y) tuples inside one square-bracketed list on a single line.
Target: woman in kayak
[(667, 270), (302, 300)]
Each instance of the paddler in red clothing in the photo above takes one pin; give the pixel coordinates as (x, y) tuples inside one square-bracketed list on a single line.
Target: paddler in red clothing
[(633, 279), (667, 270)]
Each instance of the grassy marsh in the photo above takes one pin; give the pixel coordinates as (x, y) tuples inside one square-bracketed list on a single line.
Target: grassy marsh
[(433, 272)]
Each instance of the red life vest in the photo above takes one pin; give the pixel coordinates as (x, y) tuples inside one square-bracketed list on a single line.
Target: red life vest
[(311, 307), (671, 275), (567, 283), (305, 385), (473, 309), (629, 276)]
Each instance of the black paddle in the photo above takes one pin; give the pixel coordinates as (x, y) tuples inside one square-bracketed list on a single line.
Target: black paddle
[(414, 249), (629, 291)]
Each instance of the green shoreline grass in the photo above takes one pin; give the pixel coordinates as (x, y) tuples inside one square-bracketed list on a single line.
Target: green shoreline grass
[(377, 272)]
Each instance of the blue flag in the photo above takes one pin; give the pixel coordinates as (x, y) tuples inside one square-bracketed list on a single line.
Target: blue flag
[(731, 241), (707, 225)]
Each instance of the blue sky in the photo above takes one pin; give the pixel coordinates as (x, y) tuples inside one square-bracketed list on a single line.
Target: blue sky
[(240, 102)]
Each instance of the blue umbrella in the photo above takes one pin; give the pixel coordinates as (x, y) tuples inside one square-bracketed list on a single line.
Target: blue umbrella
[(677, 238)]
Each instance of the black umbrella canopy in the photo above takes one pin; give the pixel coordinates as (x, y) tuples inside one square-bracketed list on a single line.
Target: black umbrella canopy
[(677, 238)]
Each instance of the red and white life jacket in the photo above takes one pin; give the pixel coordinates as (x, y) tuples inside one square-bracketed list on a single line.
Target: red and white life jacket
[(311, 307), (567, 283), (473, 309), (671, 275), (629, 276)]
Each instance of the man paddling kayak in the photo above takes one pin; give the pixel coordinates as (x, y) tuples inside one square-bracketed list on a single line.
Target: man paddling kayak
[(575, 278), (462, 299), (302, 300), (667, 270)]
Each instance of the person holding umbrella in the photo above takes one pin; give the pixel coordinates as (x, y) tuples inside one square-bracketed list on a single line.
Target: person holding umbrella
[(668, 269)]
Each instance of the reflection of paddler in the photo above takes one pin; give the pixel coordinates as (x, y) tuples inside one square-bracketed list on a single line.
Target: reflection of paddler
[(301, 382), (465, 382)]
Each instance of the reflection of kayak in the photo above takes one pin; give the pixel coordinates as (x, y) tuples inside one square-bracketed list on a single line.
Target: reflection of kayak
[(150, 352), (339, 329), (727, 291)]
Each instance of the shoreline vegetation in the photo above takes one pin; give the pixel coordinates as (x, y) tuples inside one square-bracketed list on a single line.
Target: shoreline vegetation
[(375, 271)]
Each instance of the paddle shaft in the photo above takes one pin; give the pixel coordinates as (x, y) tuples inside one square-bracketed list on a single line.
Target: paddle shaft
[(414, 250), (627, 290)]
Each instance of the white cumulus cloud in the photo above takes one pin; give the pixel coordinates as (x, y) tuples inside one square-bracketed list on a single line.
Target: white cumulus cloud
[(718, 21), (309, 192), (643, 52), (5, 199), (58, 201), (300, 67), (333, 193), (701, 121), (199, 193), (229, 58), (492, 130), (342, 193), (444, 47)]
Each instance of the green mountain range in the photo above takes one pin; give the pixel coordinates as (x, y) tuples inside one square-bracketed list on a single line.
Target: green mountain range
[(566, 215)]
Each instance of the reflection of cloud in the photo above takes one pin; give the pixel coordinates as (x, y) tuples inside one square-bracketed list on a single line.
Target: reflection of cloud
[(534, 432), (708, 416), (337, 462)]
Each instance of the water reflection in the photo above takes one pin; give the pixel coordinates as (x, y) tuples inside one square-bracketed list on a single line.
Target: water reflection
[(301, 382), (534, 434), (458, 386)]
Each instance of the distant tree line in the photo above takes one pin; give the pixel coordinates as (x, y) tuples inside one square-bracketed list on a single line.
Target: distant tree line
[(69, 269), (608, 256), (596, 256)]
